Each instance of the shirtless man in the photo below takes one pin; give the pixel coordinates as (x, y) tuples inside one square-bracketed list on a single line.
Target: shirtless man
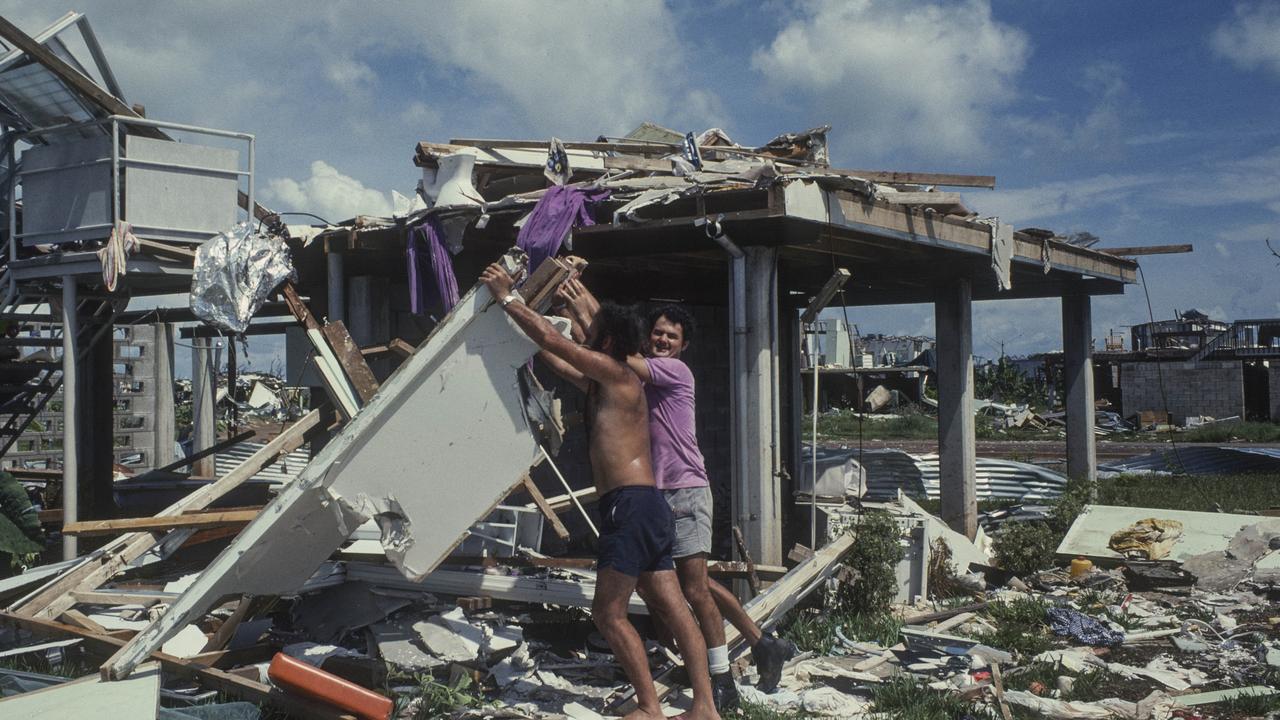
[(636, 526), (681, 475)]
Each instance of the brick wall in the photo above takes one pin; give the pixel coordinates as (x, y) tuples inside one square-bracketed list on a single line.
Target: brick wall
[(1215, 388)]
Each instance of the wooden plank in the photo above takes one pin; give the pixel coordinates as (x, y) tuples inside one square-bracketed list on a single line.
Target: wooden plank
[(922, 198), (297, 307), (1146, 250), (52, 598), (227, 629), (915, 178), (348, 354), (563, 503), (163, 522), (210, 677), (79, 619), (752, 579), (101, 597), (395, 347), (541, 502)]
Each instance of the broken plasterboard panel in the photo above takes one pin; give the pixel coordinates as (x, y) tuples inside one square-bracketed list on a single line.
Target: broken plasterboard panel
[(1201, 532), (91, 698), (410, 459)]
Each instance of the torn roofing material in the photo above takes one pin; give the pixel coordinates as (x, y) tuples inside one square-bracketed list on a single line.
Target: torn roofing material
[(404, 460)]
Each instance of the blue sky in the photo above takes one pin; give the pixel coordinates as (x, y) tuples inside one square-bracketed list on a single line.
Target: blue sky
[(1141, 122)]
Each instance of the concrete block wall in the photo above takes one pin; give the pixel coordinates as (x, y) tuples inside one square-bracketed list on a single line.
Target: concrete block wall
[(1213, 388)]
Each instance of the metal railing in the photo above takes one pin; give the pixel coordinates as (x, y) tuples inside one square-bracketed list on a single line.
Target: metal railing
[(118, 162)]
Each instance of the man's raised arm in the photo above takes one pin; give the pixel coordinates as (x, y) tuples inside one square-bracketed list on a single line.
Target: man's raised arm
[(594, 365)]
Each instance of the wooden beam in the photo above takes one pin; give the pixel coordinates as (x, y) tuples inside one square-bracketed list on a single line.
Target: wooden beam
[(352, 361), (212, 678), (753, 580), (541, 502), (169, 522), (79, 619), (395, 347), (1146, 250), (922, 198), (56, 596), (891, 177)]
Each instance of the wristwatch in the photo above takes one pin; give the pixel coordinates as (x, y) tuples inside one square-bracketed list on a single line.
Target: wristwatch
[(509, 298)]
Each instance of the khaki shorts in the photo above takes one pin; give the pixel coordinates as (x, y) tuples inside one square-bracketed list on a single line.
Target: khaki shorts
[(692, 510)]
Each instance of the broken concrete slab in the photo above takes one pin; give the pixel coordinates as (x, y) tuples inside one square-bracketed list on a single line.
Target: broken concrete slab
[(373, 468)]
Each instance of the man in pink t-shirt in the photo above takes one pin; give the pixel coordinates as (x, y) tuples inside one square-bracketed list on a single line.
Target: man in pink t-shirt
[(680, 473)]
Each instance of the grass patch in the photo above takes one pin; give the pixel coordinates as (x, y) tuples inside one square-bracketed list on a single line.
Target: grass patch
[(435, 698), (813, 629), (1192, 492), (839, 424), (1249, 705), (1088, 686), (752, 711), (1020, 627), (1236, 431), (906, 698)]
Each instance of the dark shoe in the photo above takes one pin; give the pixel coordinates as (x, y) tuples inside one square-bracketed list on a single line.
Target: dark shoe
[(724, 692), (770, 654)]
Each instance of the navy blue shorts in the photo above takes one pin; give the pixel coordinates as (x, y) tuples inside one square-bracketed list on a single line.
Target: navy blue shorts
[(636, 530)]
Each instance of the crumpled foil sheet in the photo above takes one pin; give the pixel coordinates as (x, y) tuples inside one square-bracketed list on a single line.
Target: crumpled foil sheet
[(234, 273)]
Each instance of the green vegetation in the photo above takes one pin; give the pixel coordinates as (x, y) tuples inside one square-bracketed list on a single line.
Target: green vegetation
[(1249, 705), (1236, 431), (1192, 492), (906, 698), (840, 424), (1087, 686), (437, 699), (752, 711), (873, 558), (1024, 548), (1020, 627)]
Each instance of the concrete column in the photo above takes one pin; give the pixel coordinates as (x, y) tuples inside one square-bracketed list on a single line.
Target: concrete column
[(757, 496), (337, 287), (70, 416), (162, 419), (369, 313), (203, 425), (956, 440), (1077, 350)]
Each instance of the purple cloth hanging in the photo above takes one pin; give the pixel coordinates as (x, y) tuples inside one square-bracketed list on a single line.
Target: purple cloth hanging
[(427, 255), (562, 208)]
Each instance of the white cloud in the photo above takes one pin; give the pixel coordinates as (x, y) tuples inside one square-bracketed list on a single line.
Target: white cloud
[(1251, 37), (329, 194), (1222, 249), (1058, 198), (351, 76), (898, 74)]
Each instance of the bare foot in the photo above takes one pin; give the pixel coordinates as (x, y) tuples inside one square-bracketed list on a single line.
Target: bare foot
[(642, 714), (699, 712)]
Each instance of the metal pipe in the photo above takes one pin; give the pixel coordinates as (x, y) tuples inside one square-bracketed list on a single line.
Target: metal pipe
[(70, 428), (115, 172), (572, 497), (813, 449)]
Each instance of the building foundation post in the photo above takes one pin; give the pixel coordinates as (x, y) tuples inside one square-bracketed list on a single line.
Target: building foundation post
[(957, 446)]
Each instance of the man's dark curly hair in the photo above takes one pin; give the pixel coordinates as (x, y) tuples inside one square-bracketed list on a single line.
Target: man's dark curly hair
[(677, 315), (622, 324)]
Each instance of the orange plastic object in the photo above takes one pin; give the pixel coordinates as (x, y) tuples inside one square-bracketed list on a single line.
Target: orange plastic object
[(1081, 567), (310, 681)]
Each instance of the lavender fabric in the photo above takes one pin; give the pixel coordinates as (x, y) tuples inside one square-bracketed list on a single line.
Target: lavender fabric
[(427, 255), (562, 208)]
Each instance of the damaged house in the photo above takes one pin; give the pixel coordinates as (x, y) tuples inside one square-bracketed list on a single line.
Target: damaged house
[(429, 421)]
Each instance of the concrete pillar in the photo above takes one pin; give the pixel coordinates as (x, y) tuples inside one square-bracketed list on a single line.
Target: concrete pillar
[(1077, 350), (369, 317), (162, 418), (757, 496), (70, 416), (337, 287), (203, 425), (956, 440)]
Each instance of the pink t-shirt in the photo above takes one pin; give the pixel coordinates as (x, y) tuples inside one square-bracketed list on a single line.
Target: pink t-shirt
[(677, 461)]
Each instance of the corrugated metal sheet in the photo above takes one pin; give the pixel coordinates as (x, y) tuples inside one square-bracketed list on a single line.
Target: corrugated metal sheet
[(1201, 460), (889, 471), (281, 471)]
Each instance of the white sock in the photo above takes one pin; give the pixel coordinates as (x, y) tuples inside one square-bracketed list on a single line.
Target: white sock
[(718, 659)]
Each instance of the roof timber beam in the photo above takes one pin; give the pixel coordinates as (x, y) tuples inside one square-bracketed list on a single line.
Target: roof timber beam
[(861, 215)]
